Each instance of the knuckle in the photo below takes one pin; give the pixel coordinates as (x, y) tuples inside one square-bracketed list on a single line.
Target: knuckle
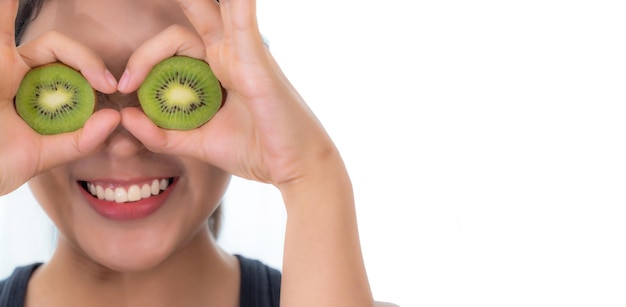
[(177, 30), (51, 37)]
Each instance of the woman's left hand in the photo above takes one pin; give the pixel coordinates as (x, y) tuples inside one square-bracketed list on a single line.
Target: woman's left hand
[(264, 131)]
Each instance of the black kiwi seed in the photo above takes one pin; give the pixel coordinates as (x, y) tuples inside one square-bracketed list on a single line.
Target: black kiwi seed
[(180, 93), (54, 98)]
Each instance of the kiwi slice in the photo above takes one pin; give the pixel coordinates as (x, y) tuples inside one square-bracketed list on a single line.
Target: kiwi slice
[(54, 98), (180, 93)]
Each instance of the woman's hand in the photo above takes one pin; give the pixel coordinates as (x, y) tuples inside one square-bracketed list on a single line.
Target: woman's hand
[(264, 131), (23, 152)]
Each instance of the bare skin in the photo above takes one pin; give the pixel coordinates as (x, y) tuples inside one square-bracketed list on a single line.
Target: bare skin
[(264, 132)]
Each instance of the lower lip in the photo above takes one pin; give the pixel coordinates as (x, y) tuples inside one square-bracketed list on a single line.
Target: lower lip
[(131, 210)]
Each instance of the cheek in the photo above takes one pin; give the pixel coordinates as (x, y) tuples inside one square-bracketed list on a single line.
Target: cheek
[(52, 192), (206, 185)]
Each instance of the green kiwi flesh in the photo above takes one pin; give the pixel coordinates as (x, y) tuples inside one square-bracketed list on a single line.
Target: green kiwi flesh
[(54, 98), (180, 93)]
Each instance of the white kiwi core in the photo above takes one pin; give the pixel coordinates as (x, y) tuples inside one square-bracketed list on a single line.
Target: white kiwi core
[(54, 99), (181, 95)]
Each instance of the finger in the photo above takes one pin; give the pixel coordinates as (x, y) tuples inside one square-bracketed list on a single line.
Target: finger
[(175, 40), (54, 47), (11, 66), (138, 124), (240, 23), (205, 16), (8, 11), (173, 142), (66, 147)]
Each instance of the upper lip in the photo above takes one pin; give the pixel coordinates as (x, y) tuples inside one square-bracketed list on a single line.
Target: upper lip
[(105, 168)]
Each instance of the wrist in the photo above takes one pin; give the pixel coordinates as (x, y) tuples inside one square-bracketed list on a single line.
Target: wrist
[(324, 182), (322, 242)]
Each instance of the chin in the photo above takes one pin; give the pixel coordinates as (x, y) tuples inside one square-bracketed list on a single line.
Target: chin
[(133, 245), (130, 250), (130, 262)]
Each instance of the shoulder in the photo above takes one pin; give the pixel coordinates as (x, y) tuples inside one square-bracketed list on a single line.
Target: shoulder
[(13, 288), (255, 269), (260, 284)]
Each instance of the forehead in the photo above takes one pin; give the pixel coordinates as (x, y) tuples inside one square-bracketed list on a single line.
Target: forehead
[(111, 28)]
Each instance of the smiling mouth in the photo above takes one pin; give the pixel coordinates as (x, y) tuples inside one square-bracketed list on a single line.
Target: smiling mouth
[(126, 193)]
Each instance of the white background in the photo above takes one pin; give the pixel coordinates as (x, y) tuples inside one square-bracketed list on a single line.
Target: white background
[(486, 142)]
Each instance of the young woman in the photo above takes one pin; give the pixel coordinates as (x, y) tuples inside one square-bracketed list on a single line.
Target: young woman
[(158, 251)]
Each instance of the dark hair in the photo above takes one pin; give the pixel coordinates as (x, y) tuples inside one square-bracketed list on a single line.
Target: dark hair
[(27, 12)]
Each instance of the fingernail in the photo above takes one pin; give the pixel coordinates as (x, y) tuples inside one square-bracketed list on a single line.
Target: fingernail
[(123, 84), (110, 78)]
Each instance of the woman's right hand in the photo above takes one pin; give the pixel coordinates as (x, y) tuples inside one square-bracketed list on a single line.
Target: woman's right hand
[(23, 152)]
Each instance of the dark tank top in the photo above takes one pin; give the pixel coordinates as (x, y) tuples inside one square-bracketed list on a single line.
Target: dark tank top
[(260, 285)]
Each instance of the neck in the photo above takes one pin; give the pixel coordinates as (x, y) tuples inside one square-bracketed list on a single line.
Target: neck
[(199, 272)]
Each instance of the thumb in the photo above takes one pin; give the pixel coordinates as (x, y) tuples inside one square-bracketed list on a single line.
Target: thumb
[(66, 147), (172, 142)]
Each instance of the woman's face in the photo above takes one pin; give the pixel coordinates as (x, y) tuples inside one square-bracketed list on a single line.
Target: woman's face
[(136, 235)]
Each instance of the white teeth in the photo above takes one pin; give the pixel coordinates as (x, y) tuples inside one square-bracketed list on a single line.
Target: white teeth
[(99, 192), (128, 194), (155, 187), (146, 191), (109, 194), (121, 196), (134, 193)]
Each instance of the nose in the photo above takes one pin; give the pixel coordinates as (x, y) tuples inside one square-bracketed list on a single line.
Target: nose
[(117, 100), (122, 144)]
